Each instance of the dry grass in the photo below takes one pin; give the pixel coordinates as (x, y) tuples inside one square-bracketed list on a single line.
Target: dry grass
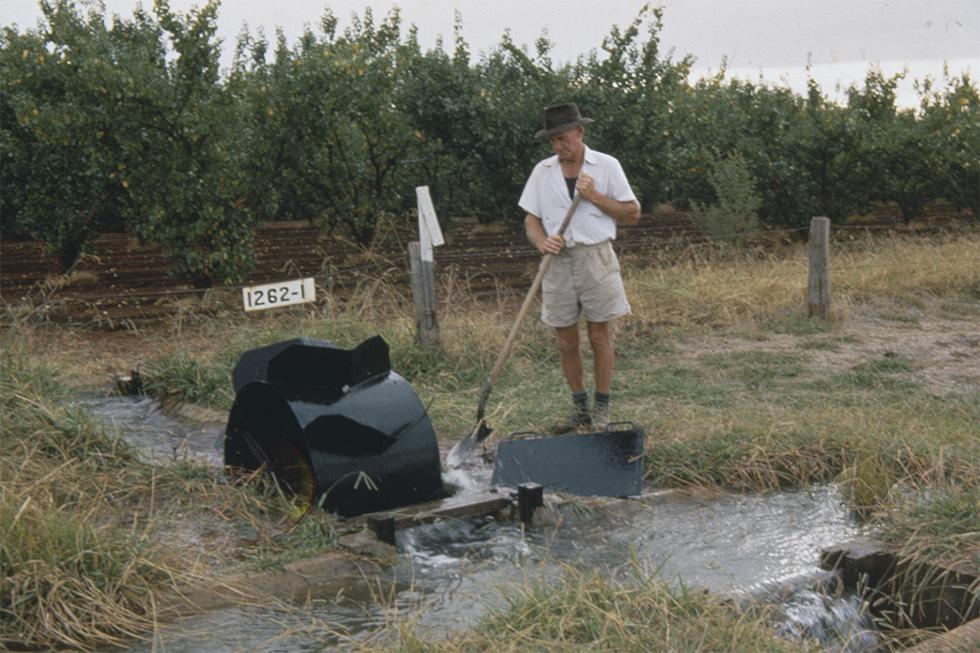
[(585, 612), (87, 531), (939, 525), (723, 287)]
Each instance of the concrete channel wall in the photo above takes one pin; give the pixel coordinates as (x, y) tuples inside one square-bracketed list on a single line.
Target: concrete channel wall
[(912, 593)]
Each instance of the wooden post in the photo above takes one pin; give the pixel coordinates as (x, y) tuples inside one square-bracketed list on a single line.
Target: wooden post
[(420, 265), (530, 496), (818, 283), (424, 293), (383, 526)]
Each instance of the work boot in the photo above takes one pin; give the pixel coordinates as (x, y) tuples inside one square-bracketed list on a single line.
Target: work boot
[(600, 411), (600, 417), (578, 417)]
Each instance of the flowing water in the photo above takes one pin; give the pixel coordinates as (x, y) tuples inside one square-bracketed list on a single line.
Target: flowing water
[(153, 434), (762, 548)]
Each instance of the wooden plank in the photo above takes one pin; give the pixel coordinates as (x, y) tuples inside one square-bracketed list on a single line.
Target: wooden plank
[(451, 508), (461, 511)]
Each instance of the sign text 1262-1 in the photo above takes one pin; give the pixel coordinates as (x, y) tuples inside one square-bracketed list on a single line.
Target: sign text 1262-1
[(283, 293)]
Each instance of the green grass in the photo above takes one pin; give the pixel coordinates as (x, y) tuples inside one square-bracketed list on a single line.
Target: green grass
[(966, 308), (939, 524), (180, 377), (829, 343), (314, 533), (69, 578), (586, 612), (797, 324), (905, 319), (882, 374), (689, 384), (755, 370)]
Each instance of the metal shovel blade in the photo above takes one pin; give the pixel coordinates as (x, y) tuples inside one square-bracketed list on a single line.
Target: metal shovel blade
[(464, 447)]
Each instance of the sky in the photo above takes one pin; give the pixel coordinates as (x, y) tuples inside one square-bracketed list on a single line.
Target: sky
[(775, 39)]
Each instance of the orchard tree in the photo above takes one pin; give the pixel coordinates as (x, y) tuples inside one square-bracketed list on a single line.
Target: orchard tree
[(633, 88), (329, 115), (833, 153), (441, 93), (952, 117), (65, 174), (514, 87), (185, 174), (904, 158), (768, 145), (103, 130)]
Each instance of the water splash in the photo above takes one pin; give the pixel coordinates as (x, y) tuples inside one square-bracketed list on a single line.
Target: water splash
[(839, 623)]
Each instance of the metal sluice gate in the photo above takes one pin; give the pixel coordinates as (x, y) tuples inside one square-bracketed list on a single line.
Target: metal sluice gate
[(334, 425)]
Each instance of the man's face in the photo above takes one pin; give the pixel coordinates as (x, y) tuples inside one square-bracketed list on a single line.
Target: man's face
[(567, 144)]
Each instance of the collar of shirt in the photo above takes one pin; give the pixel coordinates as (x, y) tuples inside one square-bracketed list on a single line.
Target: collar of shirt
[(588, 157)]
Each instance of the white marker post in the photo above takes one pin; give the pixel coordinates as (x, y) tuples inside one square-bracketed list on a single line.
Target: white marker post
[(430, 235), (274, 295), (420, 259)]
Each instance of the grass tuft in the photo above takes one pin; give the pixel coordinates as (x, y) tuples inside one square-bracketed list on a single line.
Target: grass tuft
[(582, 611)]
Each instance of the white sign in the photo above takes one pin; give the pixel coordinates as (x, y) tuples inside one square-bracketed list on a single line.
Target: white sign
[(430, 235), (273, 295)]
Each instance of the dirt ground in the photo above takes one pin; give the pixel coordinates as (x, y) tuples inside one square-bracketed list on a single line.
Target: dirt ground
[(940, 337)]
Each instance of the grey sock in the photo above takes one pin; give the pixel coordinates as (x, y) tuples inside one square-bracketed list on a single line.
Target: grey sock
[(602, 399), (581, 401)]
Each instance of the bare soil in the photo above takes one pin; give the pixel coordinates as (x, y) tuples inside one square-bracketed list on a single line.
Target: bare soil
[(123, 283), (940, 337)]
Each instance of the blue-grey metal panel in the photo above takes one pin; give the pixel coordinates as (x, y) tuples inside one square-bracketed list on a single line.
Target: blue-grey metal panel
[(609, 463)]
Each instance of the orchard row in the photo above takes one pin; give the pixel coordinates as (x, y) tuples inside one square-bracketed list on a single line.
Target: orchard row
[(129, 124)]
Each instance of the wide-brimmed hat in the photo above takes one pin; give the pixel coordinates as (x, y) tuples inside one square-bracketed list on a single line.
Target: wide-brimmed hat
[(560, 118)]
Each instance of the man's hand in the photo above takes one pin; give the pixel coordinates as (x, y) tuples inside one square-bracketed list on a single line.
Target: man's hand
[(543, 242), (621, 212), (552, 245), (586, 186)]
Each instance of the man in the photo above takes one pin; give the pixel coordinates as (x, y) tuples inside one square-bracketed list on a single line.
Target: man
[(584, 276)]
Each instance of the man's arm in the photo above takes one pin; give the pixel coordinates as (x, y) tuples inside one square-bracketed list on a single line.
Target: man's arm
[(622, 212), (539, 238)]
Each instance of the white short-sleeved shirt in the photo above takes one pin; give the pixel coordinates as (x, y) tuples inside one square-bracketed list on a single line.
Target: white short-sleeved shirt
[(546, 196)]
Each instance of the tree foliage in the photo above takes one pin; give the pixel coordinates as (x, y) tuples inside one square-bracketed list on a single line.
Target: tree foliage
[(128, 124)]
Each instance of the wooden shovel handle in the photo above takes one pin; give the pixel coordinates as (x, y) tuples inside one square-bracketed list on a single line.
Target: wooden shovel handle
[(521, 314)]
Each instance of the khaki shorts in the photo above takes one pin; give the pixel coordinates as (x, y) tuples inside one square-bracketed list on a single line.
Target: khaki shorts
[(583, 278)]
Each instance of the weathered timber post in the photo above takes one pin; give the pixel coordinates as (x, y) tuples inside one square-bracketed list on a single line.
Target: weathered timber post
[(818, 282), (383, 526), (420, 260), (530, 496), (424, 293)]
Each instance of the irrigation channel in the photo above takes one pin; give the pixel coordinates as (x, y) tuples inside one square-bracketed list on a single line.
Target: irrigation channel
[(761, 549)]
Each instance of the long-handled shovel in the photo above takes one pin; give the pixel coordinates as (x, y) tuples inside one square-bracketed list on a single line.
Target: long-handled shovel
[(461, 450)]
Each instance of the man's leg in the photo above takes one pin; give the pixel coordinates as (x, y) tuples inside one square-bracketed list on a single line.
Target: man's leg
[(600, 339), (571, 357), (571, 364)]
